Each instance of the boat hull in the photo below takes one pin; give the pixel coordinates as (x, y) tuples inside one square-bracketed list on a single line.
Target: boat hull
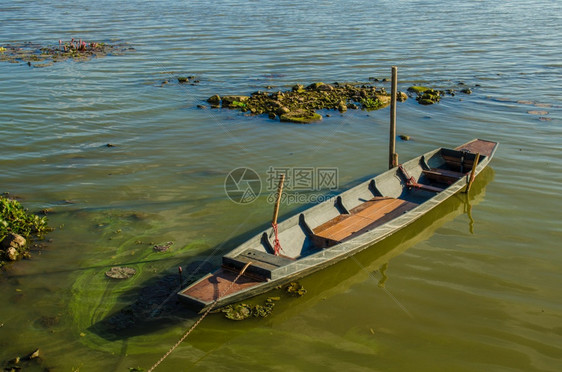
[(336, 229)]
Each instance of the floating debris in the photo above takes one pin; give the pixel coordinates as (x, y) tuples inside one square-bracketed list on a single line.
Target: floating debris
[(33, 355), (120, 272), (295, 289), (245, 311), (537, 112), (38, 55), (237, 312)]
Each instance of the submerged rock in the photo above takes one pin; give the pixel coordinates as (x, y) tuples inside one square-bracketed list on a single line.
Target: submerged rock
[(401, 96), (163, 247), (301, 117), (234, 101), (12, 254), (215, 100), (120, 273), (13, 246), (418, 89), (425, 96), (13, 241)]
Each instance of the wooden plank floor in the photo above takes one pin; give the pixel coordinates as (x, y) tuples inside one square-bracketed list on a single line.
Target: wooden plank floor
[(369, 214), (481, 146), (210, 288)]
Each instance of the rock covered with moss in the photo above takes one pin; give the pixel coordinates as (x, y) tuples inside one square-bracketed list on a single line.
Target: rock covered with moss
[(17, 227), (299, 104), (429, 96)]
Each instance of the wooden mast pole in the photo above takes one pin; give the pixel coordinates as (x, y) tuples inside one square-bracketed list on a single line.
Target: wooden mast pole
[(277, 245), (392, 156), (473, 172), (278, 201)]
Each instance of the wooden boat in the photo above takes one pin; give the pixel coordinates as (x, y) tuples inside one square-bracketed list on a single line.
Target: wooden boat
[(341, 226)]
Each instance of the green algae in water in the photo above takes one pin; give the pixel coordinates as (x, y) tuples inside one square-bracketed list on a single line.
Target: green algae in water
[(103, 310)]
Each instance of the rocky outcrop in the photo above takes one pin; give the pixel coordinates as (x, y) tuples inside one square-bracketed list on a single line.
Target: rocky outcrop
[(299, 104), (12, 247)]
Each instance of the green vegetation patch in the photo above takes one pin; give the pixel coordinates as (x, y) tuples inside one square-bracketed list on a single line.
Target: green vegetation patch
[(243, 311), (38, 55), (17, 226)]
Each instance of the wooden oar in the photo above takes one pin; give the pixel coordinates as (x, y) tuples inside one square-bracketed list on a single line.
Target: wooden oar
[(473, 172)]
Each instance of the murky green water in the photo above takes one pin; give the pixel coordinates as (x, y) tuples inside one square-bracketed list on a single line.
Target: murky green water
[(451, 299)]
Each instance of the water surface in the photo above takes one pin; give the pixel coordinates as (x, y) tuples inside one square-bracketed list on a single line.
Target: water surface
[(453, 299)]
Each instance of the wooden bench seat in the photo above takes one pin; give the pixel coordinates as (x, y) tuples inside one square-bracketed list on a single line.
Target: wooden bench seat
[(444, 176), (365, 216), (263, 264)]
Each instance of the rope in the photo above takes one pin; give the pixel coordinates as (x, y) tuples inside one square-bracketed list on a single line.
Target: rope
[(411, 180), (200, 319), (276, 244)]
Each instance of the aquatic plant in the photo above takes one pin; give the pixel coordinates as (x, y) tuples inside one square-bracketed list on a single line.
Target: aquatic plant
[(295, 289), (244, 311), (41, 55), (17, 225), (371, 104), (14, 218)]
